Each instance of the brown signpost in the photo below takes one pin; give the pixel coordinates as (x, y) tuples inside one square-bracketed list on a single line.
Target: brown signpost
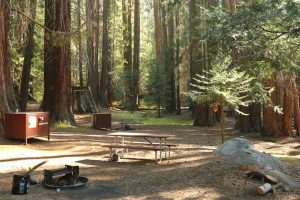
[(24, 125)]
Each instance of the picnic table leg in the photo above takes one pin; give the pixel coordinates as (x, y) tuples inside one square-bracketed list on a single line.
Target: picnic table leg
[(166, 148), (110, 153), (160, 147)]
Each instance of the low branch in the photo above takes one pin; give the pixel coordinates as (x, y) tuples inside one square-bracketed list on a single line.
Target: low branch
[(44, 27)]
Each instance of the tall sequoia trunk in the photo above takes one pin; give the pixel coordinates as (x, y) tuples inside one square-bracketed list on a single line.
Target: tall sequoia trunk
[(48, 53), (136, 55), (126, 7), (288, 106), (275, 124), (7, 99), (177, 60), (158, 31), (296, 109), (27, 59), (106, 50), (95, 77), (59, 74), (204, 115), (80, 74), (92, 70), (170, 67)]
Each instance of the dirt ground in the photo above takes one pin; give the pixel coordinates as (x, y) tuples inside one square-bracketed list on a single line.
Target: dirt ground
[(192, 172)]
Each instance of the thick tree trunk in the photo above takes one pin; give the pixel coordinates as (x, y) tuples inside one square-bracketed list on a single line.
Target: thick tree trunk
[(128, 99), (275, 124), (296, 109), (158, 31), (48, 53), (244, 123), (92, 70), (59, 90), (255, 112), (7, 99), (177, 61), (136, 55), (170, 67), (27, 60), (80, 74), (106, 51), (288, 106), (95, 76), (198, 62)]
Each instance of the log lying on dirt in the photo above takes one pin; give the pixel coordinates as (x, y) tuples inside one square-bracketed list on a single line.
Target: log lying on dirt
[(267, 187), (261, 176)]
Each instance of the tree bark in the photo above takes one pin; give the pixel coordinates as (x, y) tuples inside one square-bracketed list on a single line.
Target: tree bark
[(7, 99), (27, 59), (126, 7), (59, 92), (177, 60), (136, 55), (106, 51), (92, 70), (296, 109), (80, 74), (170, 66)]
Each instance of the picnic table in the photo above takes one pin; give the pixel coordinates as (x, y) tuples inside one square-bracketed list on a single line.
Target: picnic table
[(128, 141)]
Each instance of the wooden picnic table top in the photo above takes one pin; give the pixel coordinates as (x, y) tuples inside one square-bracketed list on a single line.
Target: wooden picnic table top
[(131, 134)]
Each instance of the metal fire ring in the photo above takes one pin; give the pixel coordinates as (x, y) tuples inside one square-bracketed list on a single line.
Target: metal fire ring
[(81, 181)]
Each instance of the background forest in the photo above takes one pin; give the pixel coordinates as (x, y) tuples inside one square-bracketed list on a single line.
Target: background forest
[(145, 53)]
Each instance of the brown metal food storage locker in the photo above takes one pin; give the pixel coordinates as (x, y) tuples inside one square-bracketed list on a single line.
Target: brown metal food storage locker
[(24, 125), (102, 120)]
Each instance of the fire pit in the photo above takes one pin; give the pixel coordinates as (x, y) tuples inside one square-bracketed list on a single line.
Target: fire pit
[(67, 177)]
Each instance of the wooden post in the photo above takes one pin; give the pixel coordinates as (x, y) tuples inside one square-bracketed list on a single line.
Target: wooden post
[(222, 120)]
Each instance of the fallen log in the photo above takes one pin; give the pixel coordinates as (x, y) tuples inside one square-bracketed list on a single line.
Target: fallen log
[(267, 187)]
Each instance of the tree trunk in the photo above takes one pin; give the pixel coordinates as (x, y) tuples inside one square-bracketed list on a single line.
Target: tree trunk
[(244, 120), (288, 106), (158, 31), (136, 55), (128, 101), (170, 67), (198, 61), (27, 59), (296, 109), (106, 50), (7, 99), (271, 120), (177, 61), (48, 52), (59, 97), (95, 76), (92, 70), (80, 74), (255, 117)]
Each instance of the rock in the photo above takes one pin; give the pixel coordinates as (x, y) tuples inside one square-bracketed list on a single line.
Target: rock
[(242, 153), (234, 145), (33, 180)]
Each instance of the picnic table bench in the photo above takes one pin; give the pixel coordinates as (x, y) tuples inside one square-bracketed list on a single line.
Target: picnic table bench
[(149, 145)]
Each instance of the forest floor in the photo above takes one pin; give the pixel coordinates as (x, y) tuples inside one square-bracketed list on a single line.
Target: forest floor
[(192, 172)]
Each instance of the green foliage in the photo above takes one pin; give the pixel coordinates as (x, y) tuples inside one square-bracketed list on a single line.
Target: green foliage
[(224, 85), (155, 84)]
